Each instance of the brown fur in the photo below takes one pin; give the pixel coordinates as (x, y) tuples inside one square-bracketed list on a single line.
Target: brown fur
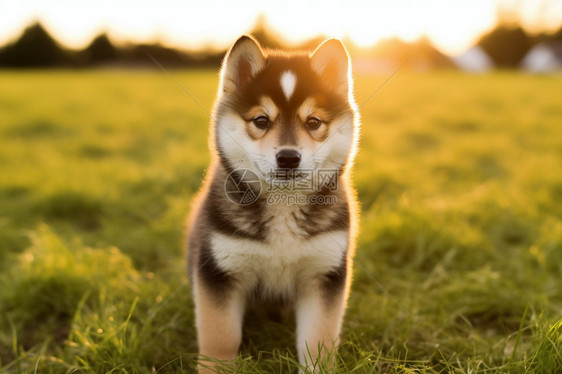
[(235, 255)]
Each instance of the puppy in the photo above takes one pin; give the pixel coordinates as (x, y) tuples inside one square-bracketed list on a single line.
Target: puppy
[(276, 217)]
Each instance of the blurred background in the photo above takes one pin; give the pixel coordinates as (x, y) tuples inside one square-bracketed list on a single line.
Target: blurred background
[(103, 145), (468, 35)]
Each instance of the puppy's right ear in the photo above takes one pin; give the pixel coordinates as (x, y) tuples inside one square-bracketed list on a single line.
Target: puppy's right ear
[(242, 62)]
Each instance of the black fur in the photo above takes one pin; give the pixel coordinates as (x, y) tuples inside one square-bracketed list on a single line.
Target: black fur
[(215, 278), (223, 219), (312, 214), (334, 281)]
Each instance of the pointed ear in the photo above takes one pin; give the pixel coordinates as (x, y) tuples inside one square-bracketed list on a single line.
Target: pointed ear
[(331, 62), (242, 62)]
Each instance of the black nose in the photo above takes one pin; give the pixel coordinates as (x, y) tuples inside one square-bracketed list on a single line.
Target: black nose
[(288, 159)]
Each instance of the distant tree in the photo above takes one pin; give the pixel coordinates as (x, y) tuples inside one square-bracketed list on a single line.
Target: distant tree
[(263, 34), (506, 45), (557, 35), (35, 48), (424, 56), (429, 56), (100, 51), (142, 54), (207, 59), (312, 43), (393, 48)]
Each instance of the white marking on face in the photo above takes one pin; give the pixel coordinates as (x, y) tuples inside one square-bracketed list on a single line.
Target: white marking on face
[(288, 82)]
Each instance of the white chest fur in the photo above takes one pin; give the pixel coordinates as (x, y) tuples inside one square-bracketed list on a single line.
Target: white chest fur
[(284, 261)]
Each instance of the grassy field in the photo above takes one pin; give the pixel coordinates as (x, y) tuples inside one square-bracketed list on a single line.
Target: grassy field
[(460, 181)]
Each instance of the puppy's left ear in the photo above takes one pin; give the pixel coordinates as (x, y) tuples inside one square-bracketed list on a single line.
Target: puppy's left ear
[(242, 62), (331, 62)]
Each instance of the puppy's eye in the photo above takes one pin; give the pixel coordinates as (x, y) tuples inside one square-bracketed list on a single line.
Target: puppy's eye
[(313, 123), (261, 122)]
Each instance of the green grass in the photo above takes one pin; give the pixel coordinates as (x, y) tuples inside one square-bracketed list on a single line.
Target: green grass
[(460, 181)]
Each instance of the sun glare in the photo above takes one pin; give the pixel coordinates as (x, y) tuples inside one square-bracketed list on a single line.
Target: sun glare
[(451, 25)]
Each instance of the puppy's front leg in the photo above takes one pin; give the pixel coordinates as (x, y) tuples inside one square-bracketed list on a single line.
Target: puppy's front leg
[(219, 324), (319, 315)]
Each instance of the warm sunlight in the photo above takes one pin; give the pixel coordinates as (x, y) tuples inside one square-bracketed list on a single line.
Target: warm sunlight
[(259, 186), (451, 25)]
